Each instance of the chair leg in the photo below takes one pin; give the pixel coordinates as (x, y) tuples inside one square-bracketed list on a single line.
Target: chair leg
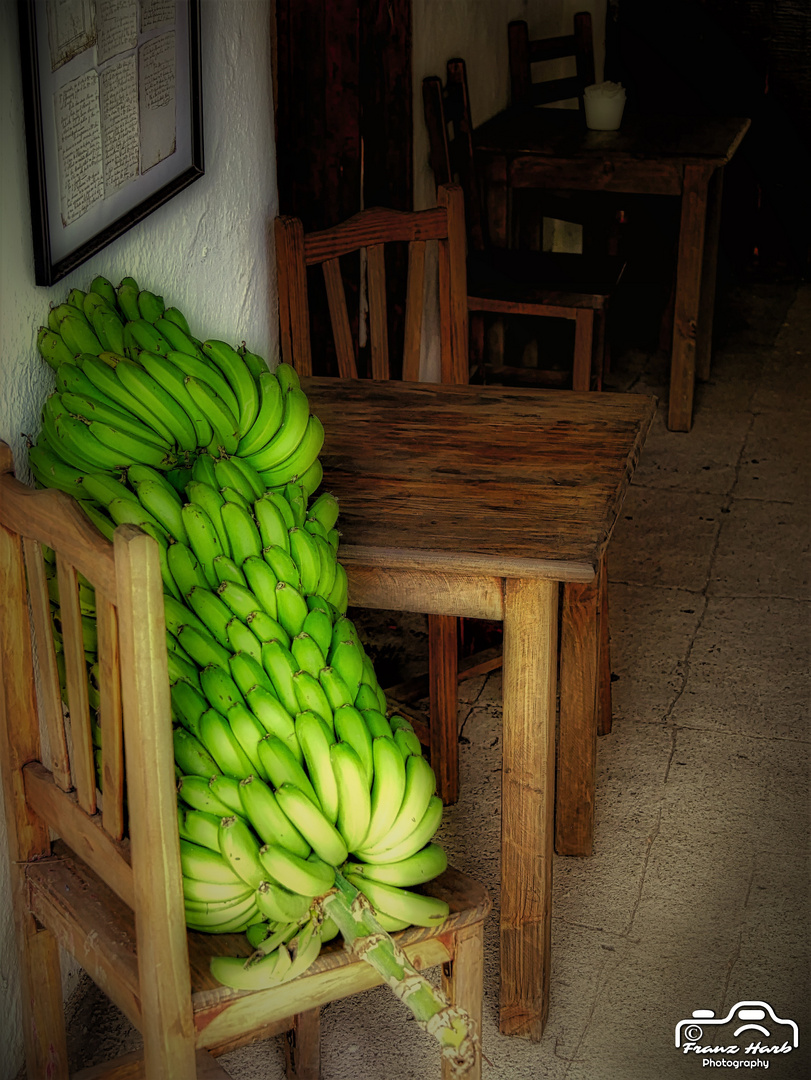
[(302, 1047), (463, 982), (604, 655), (46, 1050), (583, 335), (599, 351), (443, 681), (577, 744)]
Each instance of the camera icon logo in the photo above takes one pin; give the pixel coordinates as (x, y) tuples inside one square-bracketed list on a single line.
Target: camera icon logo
[(746, 1020)]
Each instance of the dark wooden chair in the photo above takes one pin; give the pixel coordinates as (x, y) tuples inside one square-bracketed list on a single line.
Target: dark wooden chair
[(371, 230), (558, 285), (109, 891)]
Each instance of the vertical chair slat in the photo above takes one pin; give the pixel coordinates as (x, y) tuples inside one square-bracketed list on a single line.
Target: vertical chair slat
[(76, 676), (293, 304), (415, 288), (163, 959), (339, 316), (378, 322), (453, 289), (112, 738), (50, 696)]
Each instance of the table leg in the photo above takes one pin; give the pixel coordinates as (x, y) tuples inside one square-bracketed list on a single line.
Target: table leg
[(709, 275), (688, 291), (444, 696), (527, 803), (577, 739)]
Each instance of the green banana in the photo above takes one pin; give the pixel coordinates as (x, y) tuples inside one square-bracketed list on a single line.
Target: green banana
[(248, 674), (273, 716), (185, 568), (248, 731), (143, 386), (239, 600), (105, 289), (227, 570), (280, 665), (192, 756), (104, 488), (268, 820), (407, 742), (229, 474), (255, 973), (202, 646), (268, 418), (164, 507), (315, 745), (347, 659), (223, 421), (291, 607), (212, 501), (300, 460), (388, 788), (76, 298), (289, 436), (282, 564), (213, 892), (127, 297), (201, 827), (265, 936), (325, 510), (325, 840), (240, 848), (354, 800), (222, 744), (176, 336), (93, 302), (70, 379), (338, 595), (205, 372), (129, 511), (424, 832), (256, 364), (79, 336), (301, 876), (318, 625), (194, 790), (304, 948), (108, 328), (220, 689), (203, 865), (150, 306), (424, 865), (242, 639), (188, 705), (126, 449), (240, 918), (328, 566), (213, 613), (52, 348), (50, 471), (202, 471), (181, 670), (350, 727), (262, 582), (305, 554), (106, 379), (412, 907), (280, 905), (239, 376), (334, 538), (265, 628), (172, 380), (176, 316), (311, 478), (287, 376), (203, 539), (272, 524), (283, 506), (231, 495), (88, 409), (312, 698), (377, 724), (296, 497), (226, 789), (309, 657), (366, 698), (243, 534), (283, 767)]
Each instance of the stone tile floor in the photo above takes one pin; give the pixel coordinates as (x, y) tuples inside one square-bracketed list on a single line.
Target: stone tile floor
[(697, 895)]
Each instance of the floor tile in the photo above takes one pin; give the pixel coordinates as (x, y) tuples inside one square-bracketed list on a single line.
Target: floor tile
[(748, 670), (665, 538), (775, 462), (705, 463), (763, 550)]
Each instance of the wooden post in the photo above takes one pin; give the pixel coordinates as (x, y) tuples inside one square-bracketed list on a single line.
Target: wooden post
[(463, 982), (443, 681)]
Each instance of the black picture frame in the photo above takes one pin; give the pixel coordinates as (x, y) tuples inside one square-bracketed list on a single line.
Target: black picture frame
[(54, 121)]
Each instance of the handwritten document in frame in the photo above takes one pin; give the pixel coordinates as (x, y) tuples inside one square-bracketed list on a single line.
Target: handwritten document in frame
[(113, 118)]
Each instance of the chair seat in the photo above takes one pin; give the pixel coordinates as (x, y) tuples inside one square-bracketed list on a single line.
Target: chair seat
[(70, 900), (551, 278)]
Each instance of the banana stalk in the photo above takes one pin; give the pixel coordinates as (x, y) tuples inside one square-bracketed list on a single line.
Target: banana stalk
[(452, 1027)]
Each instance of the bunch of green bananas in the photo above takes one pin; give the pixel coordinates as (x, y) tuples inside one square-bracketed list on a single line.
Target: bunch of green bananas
[(289, 766)]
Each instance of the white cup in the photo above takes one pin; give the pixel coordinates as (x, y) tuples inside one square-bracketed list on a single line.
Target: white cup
[(604, 103)]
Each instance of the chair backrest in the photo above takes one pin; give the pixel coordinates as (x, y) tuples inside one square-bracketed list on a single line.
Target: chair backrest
[(450, 141), (524, 52), (129, 837), (369, 231)]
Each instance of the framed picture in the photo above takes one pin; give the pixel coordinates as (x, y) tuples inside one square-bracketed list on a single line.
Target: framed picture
[(113, 119)]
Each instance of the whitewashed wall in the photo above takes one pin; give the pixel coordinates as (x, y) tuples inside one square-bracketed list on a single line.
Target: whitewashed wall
[(206, 251)]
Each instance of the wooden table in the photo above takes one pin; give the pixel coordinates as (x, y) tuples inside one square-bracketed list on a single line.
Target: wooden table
[(478, 502), (654, 155)]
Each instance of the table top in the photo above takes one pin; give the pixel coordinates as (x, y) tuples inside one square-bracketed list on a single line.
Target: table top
[(489, 480), (562, 134)]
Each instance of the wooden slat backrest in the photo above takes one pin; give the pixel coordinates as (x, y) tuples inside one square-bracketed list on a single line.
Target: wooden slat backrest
[(524, 52), (369, 231), (451, 151), (142, 863)]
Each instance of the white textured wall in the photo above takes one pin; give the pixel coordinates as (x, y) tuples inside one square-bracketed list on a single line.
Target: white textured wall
[(206, 251)]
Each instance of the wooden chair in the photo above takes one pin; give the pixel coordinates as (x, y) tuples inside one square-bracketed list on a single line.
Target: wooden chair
[(109, 890), (371, 230), (509, 282)]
